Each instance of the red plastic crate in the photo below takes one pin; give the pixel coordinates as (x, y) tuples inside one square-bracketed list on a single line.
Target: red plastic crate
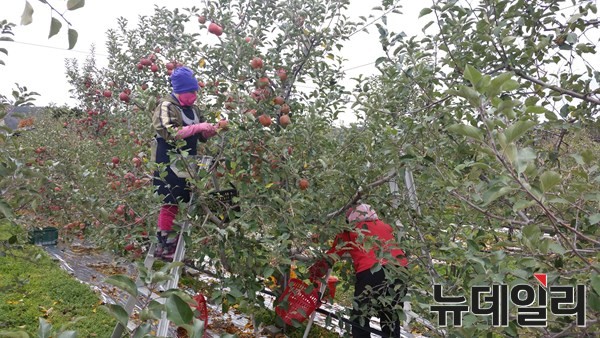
[(300, 304)]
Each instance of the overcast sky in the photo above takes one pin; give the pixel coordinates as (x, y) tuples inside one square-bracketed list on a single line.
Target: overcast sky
[(38, 62)]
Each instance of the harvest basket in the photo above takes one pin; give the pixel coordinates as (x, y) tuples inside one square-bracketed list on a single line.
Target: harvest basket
[(300, 303), (221, 202), (44, 237)]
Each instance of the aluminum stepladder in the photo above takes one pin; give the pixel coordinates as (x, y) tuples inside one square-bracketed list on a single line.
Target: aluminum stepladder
[(163, 324), (322, 290)]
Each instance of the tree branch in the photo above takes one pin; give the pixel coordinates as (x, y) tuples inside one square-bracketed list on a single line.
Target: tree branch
[(57, 12), (359, 193), (584, 97), (487, 213)]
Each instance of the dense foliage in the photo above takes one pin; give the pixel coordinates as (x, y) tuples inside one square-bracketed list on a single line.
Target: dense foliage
[(493, 111)]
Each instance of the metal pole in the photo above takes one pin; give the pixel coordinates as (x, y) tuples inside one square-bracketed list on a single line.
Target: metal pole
[(412, 190), (321, 293)]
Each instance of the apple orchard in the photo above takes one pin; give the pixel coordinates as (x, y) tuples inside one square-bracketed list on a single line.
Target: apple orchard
[(504, 157)]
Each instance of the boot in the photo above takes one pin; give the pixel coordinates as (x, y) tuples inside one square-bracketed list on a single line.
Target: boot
[(160, 245), (171, 239)]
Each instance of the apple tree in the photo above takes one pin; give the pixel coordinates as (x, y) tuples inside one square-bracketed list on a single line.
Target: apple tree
[(498, 104)]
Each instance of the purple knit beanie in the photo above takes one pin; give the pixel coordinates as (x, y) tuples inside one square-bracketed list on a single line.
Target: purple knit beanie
[(183, 80)]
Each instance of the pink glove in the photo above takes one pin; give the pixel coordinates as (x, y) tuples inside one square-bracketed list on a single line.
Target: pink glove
[(207, 130)]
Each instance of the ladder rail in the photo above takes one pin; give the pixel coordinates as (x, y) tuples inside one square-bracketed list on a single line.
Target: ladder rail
[(164, 322)]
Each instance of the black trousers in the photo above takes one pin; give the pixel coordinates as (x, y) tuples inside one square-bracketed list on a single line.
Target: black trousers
[(375, 296)]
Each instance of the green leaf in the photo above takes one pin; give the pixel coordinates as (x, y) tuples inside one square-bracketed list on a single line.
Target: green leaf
[(118, 312), (549, 179), (470, 94), (536, 110), (27, 16), (497, 84), (522, 204), (509, 40), (510, 85), (197, 330), (4, 50), (5, 209), (142, 330), (68, 334), (595, 282), (44, 328), (75, 4), (178, 311), (123, 282), (524, 158), (594, 301), (55, 26), (466, 130), (578, 158), (532, 232), (472, 74), (517, 130), (72, 38), (550, 116), (494, 193), (425, 11), (594, 219), (556, 248)]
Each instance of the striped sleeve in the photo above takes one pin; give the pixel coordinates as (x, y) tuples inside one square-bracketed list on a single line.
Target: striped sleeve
[(166, 120)]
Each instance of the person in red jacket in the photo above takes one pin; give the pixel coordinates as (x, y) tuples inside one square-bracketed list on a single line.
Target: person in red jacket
[(373, 248)]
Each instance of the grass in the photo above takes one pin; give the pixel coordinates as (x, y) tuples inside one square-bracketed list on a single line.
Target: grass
[(34, 286)]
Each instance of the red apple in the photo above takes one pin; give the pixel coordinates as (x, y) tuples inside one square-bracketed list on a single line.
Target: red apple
[(223, 125), (256, 63), (116, 160), (201, 19), (129, 247), (146, 62), (107, 93), (278, 100), (263, 82), (120, 210), (137, 162), (144, 86), (154, 68), (284, 120), (303, 184), (265, 120), (140, 66), (282, 74), (124, 97), (215, 29), (170, 66), (285, 109)]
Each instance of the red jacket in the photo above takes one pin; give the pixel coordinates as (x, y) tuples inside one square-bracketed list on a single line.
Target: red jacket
[(346, 242)]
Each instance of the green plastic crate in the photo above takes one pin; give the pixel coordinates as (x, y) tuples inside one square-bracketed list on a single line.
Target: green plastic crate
[(45, 236)]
